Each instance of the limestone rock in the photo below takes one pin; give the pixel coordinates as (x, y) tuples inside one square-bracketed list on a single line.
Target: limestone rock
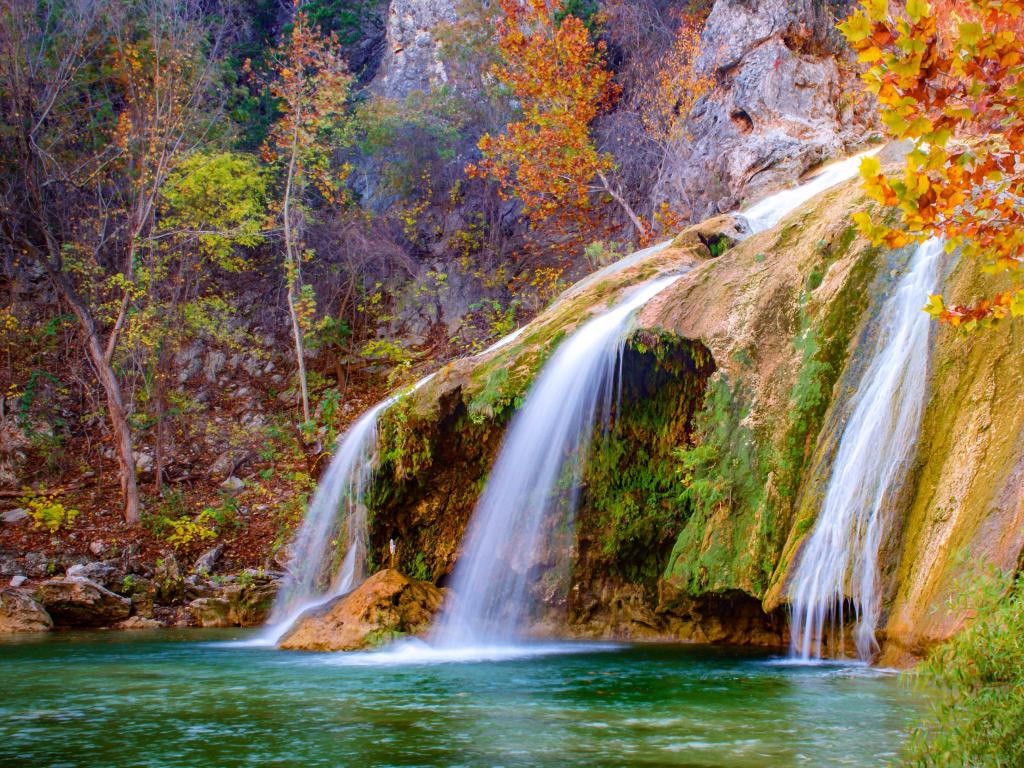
[(19, 612), (79, 602), (170, 586), (412, 59), (211, 612), (385, 605), (18, 580), (17, 516), (208, 560), (105, 574), (776, 111)]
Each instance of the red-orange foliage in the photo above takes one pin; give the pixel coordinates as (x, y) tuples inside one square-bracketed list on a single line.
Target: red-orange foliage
[(671, 95), (558, 76), (950, 78)]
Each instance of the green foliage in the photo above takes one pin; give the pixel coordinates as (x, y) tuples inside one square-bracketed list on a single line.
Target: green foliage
[(601, 254), (185, 532), (220, 202), (631, 500), (494, 398), (722, 465), (49, 513), (976, 682), (419, 571)]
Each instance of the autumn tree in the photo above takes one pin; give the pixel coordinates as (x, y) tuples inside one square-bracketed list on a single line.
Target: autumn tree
[(103, 101), (311, 84), (950, 78), (668, 98), (559, 77)]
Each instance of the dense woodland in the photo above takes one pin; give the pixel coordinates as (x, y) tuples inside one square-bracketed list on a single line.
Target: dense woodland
[(224, 235)]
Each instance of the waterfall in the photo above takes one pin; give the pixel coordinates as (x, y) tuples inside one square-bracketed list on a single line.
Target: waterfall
[(875, 447), (770, 211), (336, 511), (533, 488)]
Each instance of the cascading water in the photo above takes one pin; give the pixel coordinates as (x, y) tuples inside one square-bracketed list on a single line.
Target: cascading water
[(336, 510), (876, 445), (533, 487), (770, 211)]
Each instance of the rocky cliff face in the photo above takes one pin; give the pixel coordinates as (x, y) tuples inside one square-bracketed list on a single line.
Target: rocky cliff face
[(781, 104), (412, 60), (737, 385)]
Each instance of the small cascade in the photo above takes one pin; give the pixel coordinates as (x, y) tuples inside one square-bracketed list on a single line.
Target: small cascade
[(840, 557), (770, 211), (336, 512), (528, 504)]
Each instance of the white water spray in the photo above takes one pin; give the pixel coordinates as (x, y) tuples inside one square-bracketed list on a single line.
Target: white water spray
[(840, 557), (534, 486), (337, 511), (770, 211)]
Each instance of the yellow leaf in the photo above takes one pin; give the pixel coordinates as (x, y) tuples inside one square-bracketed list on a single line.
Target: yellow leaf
[(870, 168), (870, 55), (970, 33), (918, 8), (935, 306)]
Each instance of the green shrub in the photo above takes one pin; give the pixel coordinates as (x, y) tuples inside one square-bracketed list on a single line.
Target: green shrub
[(977, 685)]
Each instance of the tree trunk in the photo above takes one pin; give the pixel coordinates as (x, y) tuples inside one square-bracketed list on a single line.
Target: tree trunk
[(294, 281), (115, 403), (641, 230)]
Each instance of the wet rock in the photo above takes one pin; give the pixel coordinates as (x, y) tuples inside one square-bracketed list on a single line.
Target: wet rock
[(385, 606), (208, 560), (19, 612), (18, 516), (142, 593), (170, 586), (211, 612), (138, 622), (252, 605), (79, 602)]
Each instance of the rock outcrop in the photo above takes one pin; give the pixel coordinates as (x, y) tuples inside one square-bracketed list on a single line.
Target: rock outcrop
[(412, 60), (19, 612), (235, 605), (385, 606), (79, 602), (780, 106)]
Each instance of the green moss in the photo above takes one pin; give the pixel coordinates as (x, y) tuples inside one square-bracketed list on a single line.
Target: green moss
[(631, 512), (720, 470)]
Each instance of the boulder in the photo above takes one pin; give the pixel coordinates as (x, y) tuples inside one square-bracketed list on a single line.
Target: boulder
[(19, 612), (170, 586), (211, 612), (79, 602), (17, 516), (106, 574), (138, 622), (18, 580), (386, 605), (208, 560)]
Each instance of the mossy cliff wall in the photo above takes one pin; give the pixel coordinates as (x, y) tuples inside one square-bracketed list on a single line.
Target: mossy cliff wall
[(735, 394)]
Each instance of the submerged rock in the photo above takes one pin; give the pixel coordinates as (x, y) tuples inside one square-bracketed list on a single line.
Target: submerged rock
[(19, 612), (79, 602), (385, 606)]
